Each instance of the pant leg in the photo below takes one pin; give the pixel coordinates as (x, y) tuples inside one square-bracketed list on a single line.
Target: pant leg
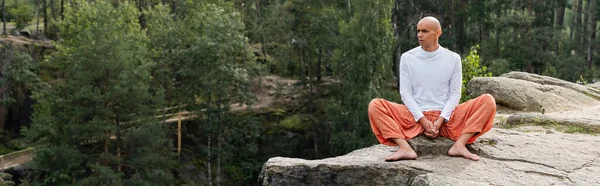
[(476, 115), (392, 120)]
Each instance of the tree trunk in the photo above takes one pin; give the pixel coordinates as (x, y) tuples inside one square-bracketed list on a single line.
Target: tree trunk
[(37, 17), (398, 48), (529, 5), (574, 19), (460, 27), (142, 17), (219, 159), (118, 143), (560, 13), (4, 18), (574, 34), (530, 67), (480, 24), (319, 63), (106, 105), (583, 27), (179, 133), (499, 29), (259, 23), (174, 6), (62, 9), (452, 24), (592, 32), (54, 19), (560, 19), (45, 17), (4, 96), (208, 162)]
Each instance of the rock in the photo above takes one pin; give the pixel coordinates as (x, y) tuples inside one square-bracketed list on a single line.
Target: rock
[(546, 80), (36, 48), (514, 158), (586, 120), (26, 33), (571, 157), (594, 85), (424, 146), (529, 96)]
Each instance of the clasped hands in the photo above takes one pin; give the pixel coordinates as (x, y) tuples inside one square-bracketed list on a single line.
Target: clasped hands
[(432, 129)]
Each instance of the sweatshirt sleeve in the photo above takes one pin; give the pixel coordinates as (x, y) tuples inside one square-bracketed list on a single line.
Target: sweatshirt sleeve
[(455, 90), (406, 91)]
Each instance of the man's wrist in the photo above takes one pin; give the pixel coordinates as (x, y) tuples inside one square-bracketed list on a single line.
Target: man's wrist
[(441, 118)]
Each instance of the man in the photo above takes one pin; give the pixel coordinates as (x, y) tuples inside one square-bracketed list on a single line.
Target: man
[(430, 86)]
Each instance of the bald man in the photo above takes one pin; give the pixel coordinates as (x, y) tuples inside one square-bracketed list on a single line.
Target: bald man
[(430, 87)]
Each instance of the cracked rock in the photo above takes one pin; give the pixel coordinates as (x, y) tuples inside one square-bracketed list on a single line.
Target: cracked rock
[(508, 157)]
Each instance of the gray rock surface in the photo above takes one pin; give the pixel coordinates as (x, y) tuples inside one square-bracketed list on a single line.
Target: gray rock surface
[(594, 85), (587, 119), (534, 150), (546, 80), (529, 96), (508, 157)]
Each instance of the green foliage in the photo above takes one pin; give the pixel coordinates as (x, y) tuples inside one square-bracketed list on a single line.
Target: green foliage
[(20, 12), (204, 64), (202, 55), (5, 179), (9, 145), (300, 35), (111, 77), (18, 74), (582, 80), (470, 70), (364, 65), (105, 91), (498, 66), (294, 123)]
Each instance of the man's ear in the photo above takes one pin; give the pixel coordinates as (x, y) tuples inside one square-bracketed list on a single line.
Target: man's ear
[(439, 33)]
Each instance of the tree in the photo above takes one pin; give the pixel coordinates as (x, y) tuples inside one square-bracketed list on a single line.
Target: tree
[(96, 124), (18, 77), (45, 9), (592, 32), (203, 65), (4, 17), (37, 17), (21, 13), (363, 64)]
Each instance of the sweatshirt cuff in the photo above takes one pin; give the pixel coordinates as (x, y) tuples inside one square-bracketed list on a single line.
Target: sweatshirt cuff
[(418, 116), (446, 117)]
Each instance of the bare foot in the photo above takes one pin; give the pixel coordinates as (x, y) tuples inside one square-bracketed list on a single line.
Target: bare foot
[(402, 154), (461, 150)]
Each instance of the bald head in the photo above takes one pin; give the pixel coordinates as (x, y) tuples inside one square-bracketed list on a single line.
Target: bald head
[(431, 22), (429, 31)]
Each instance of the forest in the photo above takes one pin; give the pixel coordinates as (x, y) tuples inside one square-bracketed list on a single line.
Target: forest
[(168, 92)]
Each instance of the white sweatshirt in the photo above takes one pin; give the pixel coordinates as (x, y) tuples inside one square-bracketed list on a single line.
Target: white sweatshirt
[(430, 81)]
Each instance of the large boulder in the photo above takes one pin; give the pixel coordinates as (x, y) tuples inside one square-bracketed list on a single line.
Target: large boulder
[(546, 80), (531, 96), (586, 120), (594, 85), (508, 157)]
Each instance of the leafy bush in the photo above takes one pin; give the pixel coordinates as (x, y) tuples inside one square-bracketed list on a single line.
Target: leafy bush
[(22, 14), (472, 69), (19, 12)]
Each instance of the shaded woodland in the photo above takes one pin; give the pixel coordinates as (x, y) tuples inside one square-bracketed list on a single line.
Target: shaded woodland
[(96, 106)]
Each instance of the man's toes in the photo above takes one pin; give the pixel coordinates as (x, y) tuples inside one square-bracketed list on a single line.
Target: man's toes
[(474, 157)]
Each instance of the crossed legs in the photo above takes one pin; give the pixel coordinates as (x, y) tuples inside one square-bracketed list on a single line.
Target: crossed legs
[(393, 124)]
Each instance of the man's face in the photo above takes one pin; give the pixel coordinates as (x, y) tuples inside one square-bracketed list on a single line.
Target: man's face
[(427, 33)]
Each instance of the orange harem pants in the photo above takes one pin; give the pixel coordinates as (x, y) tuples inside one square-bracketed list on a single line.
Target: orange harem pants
[(392, 120)]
